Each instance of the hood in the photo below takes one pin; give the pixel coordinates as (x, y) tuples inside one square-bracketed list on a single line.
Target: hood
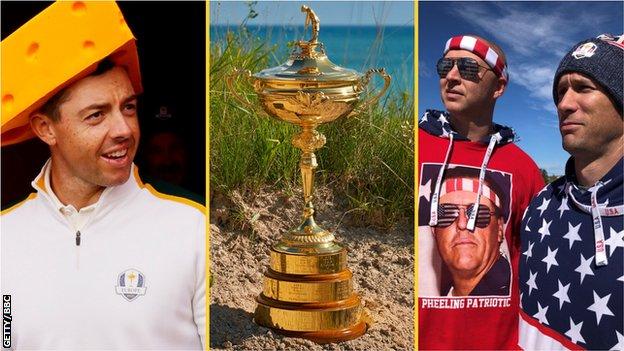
[(437, 123), (611, 192), (603, 199)]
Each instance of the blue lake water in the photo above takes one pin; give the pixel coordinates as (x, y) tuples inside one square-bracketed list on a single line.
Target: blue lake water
[(355, 47)]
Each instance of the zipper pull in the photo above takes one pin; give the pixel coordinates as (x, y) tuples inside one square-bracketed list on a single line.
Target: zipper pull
[(78, 238)]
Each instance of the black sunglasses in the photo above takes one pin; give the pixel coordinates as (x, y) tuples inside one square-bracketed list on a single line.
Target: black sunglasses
[(448, 213), (468, 67)]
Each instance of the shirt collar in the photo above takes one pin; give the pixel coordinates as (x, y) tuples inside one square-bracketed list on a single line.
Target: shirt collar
[(47, 187), (110, 197)]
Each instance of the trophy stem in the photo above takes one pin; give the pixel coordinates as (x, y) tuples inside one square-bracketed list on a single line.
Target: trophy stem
[(307, 166), (308, 233)]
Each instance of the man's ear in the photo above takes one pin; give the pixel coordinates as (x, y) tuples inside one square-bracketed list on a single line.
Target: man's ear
[(501, 85), (43, 128)]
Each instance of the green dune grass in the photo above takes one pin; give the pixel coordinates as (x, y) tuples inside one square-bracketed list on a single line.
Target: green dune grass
[(369, 158)]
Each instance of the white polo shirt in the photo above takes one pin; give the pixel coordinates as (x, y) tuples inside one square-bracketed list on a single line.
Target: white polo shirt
[(135, 281)]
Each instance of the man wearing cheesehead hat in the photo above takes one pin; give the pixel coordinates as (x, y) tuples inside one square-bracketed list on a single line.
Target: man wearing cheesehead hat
[(473, 76), (572, 264), (94, 258)]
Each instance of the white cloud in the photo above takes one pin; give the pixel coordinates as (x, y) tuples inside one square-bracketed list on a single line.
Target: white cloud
[(536, 78), (516, 28), (535, 36)]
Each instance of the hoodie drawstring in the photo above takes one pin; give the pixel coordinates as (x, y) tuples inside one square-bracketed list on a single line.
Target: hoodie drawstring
[(597, 212), (433, 218), (488, 153), (601, 252)]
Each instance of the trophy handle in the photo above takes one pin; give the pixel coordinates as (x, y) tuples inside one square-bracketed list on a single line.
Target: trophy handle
[(229, 81), (364, 82)]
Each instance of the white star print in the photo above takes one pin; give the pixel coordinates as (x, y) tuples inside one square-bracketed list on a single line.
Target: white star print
[(443, 119), (425, 190), (545, 229), (599, 307), (541, 314), (445, 134), (531, 282), (543, 206), (529, 251), (575, 332), (562, 294), (584, 268), (615, 240), (620, 343), (573, 234), (563, 207), (550, 259), (621, 278), (526, 227)]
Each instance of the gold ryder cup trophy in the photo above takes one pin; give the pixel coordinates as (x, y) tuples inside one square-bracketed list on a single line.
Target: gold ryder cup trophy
[(307, 289)]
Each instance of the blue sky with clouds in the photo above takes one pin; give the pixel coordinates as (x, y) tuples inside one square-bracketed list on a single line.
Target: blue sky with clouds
[(352, 13), (534, 36)]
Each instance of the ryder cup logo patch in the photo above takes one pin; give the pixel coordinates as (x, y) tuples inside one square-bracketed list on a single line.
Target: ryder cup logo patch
[(130, 284), (585, 50)]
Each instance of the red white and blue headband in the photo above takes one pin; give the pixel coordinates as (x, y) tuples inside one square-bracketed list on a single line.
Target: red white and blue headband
[(469, 185), (481, 49)]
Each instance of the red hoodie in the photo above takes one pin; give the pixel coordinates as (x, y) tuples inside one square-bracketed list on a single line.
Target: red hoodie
[(488, 317)]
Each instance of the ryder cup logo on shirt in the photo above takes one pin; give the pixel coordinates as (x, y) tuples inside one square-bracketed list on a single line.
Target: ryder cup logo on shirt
[(130, 284), (585, 50)]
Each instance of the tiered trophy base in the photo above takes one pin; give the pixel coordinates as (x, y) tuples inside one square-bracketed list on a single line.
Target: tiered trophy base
[(308, 293)]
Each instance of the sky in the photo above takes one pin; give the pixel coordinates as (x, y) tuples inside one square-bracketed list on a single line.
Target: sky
[(535, 36), (352, 13)]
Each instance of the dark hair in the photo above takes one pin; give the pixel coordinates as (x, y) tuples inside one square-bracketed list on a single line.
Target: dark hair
[(51, 107)]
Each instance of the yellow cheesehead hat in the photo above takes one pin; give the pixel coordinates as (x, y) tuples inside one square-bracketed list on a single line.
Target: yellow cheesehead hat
[(61, 45)]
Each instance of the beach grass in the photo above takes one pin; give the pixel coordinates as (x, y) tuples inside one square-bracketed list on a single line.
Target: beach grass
[(368, 158)]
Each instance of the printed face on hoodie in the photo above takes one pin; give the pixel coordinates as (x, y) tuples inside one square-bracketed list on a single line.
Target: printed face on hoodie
[(469, 254), (462, 96), (589, 122), (94, 141)]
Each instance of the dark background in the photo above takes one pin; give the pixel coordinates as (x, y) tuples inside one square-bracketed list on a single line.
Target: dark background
[(171, 40)]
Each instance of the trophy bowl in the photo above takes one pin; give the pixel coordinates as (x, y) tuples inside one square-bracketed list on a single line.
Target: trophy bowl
[(308, 290), (309, 89)]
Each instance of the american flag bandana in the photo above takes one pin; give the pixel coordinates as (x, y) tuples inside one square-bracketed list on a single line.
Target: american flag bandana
[(481, 49), (470, 185), (567, 299)]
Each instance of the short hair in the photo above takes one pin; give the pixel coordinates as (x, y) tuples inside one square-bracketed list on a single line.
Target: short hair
[(51, 107)]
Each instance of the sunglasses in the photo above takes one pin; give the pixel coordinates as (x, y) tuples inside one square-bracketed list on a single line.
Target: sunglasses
[(468, 67), (448, 213)]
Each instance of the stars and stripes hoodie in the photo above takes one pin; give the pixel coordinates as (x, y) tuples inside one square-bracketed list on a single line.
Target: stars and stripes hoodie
[(471, 322), (572, 263)]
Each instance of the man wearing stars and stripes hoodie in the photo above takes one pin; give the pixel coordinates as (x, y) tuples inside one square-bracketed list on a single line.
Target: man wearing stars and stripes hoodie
[(473, 75), (572, 263)]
